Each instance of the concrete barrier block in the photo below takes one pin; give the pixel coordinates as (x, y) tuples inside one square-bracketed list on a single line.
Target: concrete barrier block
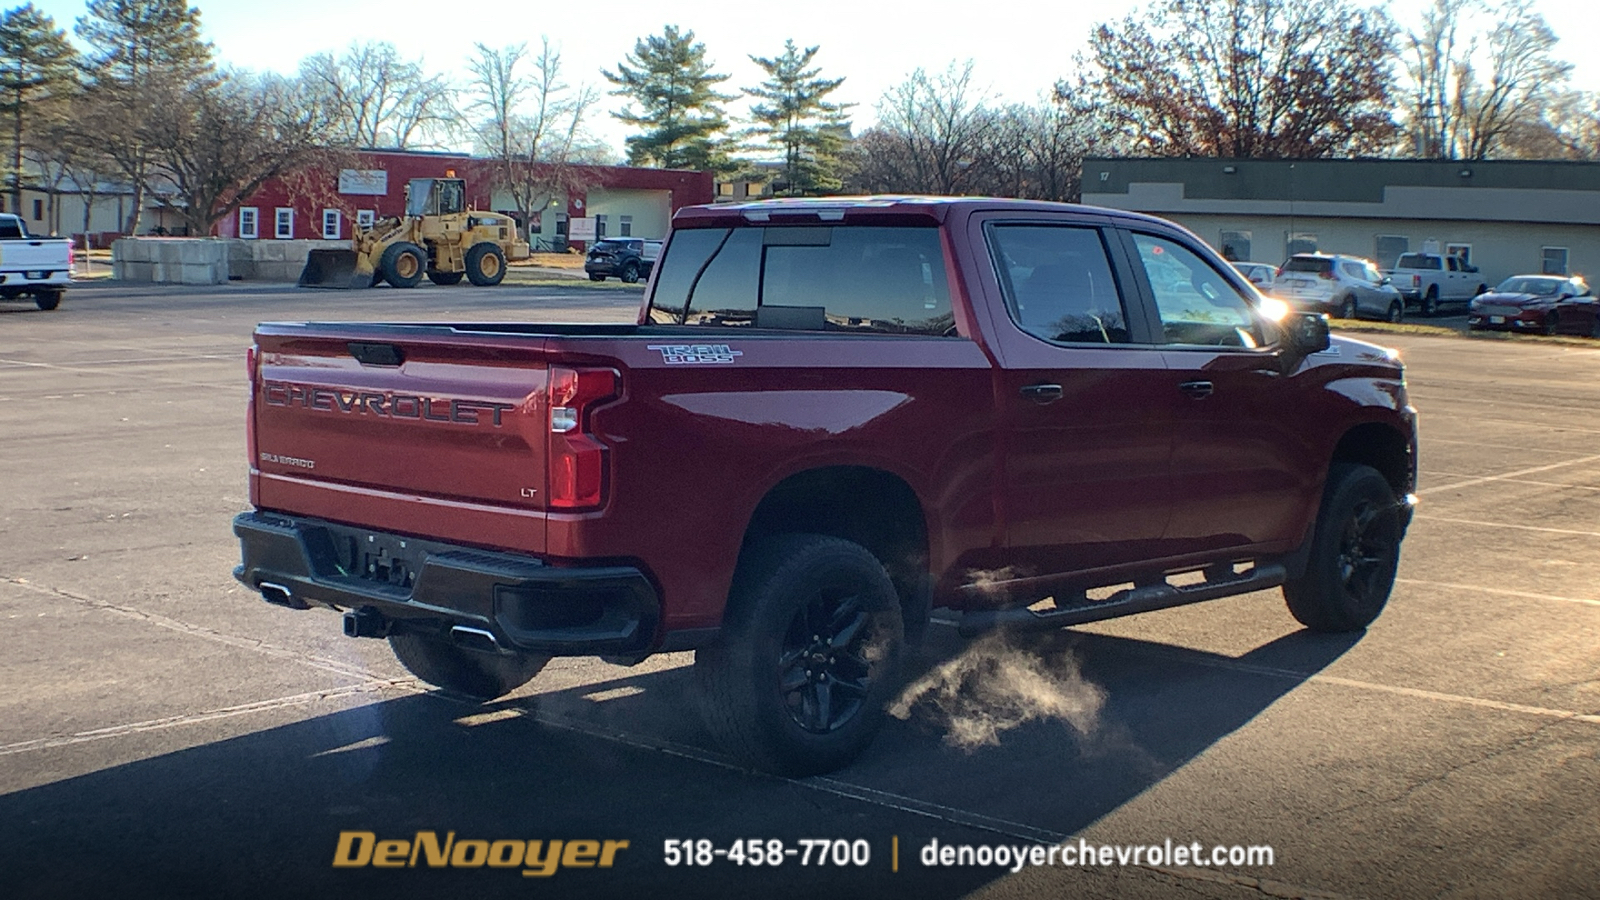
[(271, 251)]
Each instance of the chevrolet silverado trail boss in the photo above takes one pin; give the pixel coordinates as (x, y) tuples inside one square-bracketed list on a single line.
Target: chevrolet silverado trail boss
[(831, 416)]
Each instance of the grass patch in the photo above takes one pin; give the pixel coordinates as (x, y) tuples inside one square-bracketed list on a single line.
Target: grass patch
[(1563, 340)]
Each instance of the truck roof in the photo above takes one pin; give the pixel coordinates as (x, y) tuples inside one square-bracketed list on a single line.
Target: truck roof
[(934, 209)]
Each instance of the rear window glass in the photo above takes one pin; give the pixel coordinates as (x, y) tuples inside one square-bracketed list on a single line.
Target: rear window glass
[(614, 246), (1308, 264), (11, 230), (1417, 261), (821, 278)]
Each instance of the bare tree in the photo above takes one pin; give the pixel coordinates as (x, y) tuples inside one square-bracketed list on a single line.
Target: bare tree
[(216, 147), (531, 124), (1246, 78), (379, 99), (932, 135), (1486, 94)]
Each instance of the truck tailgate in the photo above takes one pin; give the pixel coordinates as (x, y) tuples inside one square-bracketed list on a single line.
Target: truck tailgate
[(418, 429), (41, 254)]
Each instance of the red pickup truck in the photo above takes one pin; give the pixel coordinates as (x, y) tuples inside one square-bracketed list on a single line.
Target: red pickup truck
[(832, 416)]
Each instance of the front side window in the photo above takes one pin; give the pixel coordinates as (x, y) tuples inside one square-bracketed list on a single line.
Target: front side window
[(1057, 283), (818, 278), (1196, 304)]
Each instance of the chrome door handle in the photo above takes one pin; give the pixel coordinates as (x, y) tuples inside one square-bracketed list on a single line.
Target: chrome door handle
[(1199, 390), (1042, 393)]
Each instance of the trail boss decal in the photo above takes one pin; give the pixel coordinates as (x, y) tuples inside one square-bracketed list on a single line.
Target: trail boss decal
[(386, 404), (696, 354)]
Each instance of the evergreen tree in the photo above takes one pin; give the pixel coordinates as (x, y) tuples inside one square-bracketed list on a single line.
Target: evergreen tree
[(36, 65), (678, 107), (144, 56), (797, 118)]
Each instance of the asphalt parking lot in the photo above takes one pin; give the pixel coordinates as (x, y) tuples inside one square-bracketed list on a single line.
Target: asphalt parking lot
[(165, 733)]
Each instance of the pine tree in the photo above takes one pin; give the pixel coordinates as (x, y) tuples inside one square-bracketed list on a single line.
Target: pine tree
[(667, 76), (36, 65), (143, 54), (797, 119)]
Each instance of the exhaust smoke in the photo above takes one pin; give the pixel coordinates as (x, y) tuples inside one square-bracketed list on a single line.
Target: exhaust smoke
[(991, 688)]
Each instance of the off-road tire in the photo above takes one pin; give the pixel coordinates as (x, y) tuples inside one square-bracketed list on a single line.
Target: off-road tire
[(629, 273), (1355, 551), (807, 615), (432, 658), (47, 299), (445, 278), (486, 265), (403, 264)]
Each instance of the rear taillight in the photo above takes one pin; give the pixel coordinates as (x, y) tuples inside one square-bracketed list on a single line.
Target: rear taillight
[(1326, 275), (252, 359), (577, 459)]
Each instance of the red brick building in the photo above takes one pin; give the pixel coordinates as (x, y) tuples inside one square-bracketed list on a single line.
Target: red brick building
[(327, 203)]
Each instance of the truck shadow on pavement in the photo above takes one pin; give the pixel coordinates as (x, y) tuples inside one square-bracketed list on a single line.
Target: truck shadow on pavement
[(261, 814)]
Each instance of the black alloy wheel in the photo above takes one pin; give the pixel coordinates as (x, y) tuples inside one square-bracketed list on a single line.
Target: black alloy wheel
[(823, 671)]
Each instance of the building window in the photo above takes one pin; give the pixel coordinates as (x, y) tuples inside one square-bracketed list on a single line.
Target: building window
[(1462, 252), (1236, 246), (1386, 248), (249, 219), (625, 226), (1555, 261), (332, 224), (285, 224), (561, 224), (365, 218), (1299, 242), (38, 210), (600, 226), (725, 189)]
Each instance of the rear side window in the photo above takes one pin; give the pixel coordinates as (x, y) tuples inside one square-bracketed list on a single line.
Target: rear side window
[(1317, 264), (11, 230), (1417, 261), (1057, 283), (819, 278)]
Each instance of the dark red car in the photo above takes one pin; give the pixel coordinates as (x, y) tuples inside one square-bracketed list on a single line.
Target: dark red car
[(1541, 304)]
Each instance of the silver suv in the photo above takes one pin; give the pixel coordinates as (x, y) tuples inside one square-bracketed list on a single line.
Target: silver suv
[(1344, 286)]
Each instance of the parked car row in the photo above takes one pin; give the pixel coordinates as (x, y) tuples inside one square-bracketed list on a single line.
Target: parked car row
[(1349, 287)]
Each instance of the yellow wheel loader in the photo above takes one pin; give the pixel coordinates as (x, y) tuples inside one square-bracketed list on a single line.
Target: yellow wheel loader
[(438, 238)]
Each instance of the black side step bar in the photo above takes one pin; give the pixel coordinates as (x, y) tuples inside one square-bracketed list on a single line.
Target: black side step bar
[(1144, 598)]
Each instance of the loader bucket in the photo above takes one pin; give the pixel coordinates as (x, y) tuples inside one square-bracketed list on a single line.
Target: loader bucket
[(340, 269)]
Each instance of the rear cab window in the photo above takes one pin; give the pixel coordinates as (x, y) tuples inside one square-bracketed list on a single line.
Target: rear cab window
[(853, 278)]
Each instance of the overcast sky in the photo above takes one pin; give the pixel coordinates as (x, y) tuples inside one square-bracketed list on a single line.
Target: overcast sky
[(1020, 47)]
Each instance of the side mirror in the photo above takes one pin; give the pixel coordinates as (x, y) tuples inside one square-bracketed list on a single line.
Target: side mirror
[(1564, 295), (1307, 333), (1387, 280)]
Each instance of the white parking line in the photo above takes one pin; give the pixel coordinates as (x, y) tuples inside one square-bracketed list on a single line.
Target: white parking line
[(1554, 484), (1501, 591), (1508, 525), (225, 712), (1507, 476)]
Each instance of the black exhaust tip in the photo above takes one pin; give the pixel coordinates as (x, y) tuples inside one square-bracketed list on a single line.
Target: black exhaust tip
[(278, 595)]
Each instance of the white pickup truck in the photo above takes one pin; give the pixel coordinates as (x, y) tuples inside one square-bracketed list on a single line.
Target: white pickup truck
[(1430, 280), (40, 268)]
